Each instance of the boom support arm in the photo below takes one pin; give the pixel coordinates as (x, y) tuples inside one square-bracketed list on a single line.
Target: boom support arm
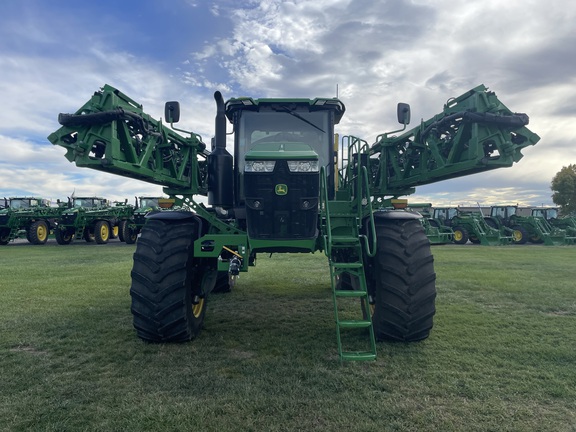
[(474, 133), (111, 133)]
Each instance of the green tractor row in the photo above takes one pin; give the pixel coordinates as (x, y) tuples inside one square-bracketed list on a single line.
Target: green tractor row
[(504, 225), (469, 225), (92, 219), (88, 218), (534, 228), (32, 217)]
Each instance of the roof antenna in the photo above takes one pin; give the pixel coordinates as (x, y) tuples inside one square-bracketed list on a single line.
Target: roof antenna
[(336, 91)]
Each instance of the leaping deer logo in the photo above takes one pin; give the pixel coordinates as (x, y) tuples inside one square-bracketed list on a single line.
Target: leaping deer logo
[(281, 189)]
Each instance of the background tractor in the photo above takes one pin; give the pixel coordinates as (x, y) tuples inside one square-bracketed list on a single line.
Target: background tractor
[(290, 186), (437, 233), (145, 205), (552, 216)]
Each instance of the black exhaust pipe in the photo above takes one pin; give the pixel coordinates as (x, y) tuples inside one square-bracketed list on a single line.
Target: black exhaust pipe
[(220, 124), (220, 162)]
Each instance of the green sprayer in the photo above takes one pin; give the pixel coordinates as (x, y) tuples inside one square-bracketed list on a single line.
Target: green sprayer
[(290, 186)]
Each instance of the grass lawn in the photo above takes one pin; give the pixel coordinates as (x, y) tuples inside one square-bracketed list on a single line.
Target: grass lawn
[(501, 356)]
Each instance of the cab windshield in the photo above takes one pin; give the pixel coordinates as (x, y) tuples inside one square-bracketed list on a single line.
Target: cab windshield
[(545, 213), (284, 126), (503, 211), (22, 204), (149, 202), (446, 214), (83, 202)]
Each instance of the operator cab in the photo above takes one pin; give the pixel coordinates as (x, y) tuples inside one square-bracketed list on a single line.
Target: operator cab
[(445, 215), (22, 203), (280, 148), (503, 212), (88, 202), (26, 203), (546, 213), (146, 202)]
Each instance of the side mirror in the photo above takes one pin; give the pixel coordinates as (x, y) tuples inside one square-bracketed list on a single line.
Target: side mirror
[(403, 113), (172, 112)]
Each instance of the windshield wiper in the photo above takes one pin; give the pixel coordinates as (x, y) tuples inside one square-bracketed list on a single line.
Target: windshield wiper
[(298, 116)]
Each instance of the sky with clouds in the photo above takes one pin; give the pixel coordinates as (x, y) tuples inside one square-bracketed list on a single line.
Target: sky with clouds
[(55, 54)]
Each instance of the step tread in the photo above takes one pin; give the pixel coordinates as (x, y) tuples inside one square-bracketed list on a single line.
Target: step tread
[(350, 293), (361, 355), (346, 265), (355, 323), (344, 239)]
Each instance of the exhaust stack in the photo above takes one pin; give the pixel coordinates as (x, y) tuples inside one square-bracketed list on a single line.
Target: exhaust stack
[(220, 162), (220, 123)]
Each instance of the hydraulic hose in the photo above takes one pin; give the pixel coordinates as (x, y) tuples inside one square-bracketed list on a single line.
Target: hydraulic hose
[(91, 118), (100, 118)]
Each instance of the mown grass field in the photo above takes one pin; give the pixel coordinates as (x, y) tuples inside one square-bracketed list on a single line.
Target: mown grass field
[(501, 356)]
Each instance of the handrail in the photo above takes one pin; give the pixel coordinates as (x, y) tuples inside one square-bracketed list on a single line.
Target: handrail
[(370, 253), (362, 187), (324, 205), (358, 146)]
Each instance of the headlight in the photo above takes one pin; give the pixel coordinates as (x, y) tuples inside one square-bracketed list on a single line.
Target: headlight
[(303, 166), (259, 166)]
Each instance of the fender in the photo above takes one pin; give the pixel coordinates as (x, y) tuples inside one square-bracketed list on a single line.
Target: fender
[(172, 215), (178, 215), (396, 214)]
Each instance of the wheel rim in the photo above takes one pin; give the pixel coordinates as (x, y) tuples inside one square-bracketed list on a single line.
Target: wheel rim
[(104, 232), (517, 235), (41, 232), (458, 235), (197, 308), (115, 231)]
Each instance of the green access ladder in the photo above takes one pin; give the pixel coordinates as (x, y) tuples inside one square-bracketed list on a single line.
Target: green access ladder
[(345, 247)]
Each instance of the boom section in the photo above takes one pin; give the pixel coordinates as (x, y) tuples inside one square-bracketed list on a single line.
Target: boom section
[(111, 133), (474, 133)]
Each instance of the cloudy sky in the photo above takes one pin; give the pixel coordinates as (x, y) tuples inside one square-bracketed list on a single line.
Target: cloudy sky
[(55, 54)]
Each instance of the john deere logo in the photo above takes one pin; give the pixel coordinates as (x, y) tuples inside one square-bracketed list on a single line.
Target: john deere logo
[(281, 189)]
